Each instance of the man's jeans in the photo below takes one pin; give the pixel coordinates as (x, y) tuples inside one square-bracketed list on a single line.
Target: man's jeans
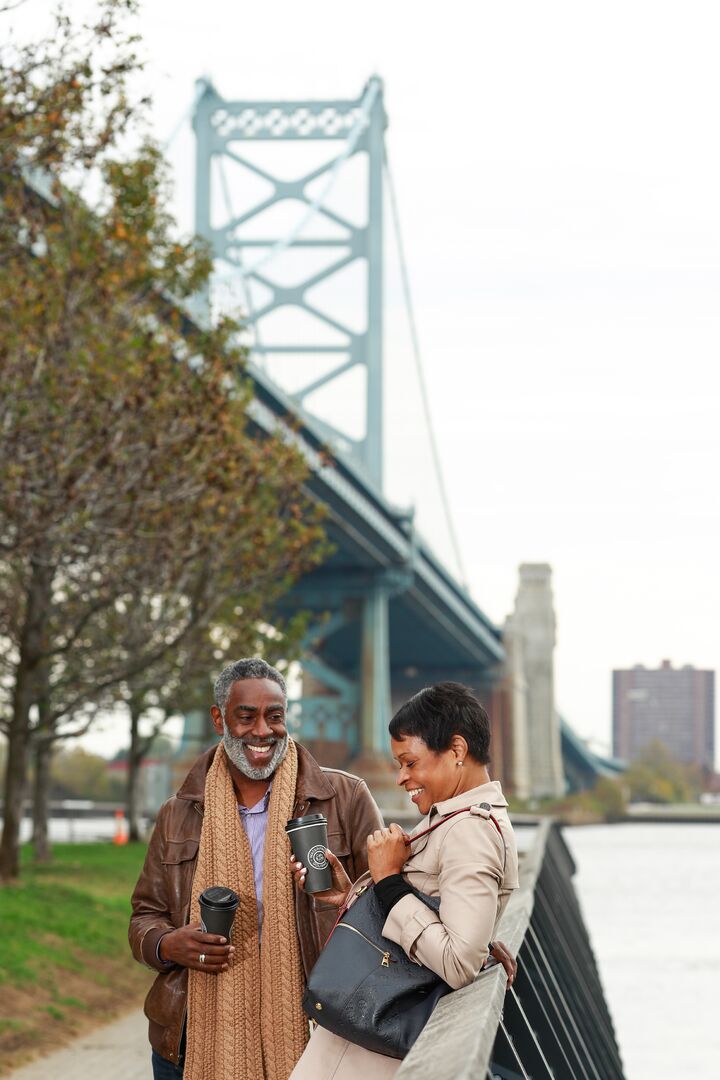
[(164, 1069)]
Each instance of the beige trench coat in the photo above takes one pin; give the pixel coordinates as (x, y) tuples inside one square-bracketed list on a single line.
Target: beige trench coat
[(465, 863)]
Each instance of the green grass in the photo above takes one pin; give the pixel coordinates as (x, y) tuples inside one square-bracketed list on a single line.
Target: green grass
[(65, 963), (11, 1025), (75, 1002), (67, 913)]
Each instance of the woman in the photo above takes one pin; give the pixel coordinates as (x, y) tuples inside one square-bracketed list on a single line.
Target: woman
[(440, 740)]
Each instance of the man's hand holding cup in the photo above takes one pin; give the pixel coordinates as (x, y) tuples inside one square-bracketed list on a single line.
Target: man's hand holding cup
[(341, 883), (191, 947)]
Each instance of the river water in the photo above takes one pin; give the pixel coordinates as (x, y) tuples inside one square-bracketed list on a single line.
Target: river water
[(650, 895), (77, 830)]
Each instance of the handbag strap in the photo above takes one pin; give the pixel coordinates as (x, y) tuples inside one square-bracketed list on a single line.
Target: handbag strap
[(483, 806)]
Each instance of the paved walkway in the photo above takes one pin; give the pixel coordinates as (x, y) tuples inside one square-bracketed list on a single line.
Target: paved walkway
[(117, 1051)]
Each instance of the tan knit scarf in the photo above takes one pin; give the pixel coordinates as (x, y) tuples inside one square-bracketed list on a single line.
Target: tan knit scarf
[(247, 1023)]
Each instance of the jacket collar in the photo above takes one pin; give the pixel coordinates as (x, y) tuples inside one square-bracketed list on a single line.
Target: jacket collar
[(312, 783), (193, 786), (490, 793), (311, 780)]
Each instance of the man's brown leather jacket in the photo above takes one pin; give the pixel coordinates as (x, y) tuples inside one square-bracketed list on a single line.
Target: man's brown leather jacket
[(161, 900)]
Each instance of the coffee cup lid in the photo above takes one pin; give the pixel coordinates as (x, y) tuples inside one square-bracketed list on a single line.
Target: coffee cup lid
[(308, 819), (219, 896)]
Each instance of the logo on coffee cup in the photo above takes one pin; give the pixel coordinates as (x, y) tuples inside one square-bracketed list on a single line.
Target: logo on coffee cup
[(316, 857)]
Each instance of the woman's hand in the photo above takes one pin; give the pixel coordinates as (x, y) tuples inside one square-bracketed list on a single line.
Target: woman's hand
[(341, 882), (387, 852), (502, 955)]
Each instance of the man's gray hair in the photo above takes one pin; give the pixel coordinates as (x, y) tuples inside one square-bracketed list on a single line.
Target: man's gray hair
[(251, 667)]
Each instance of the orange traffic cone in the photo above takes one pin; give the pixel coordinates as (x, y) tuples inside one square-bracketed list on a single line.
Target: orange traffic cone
[(121, 836)]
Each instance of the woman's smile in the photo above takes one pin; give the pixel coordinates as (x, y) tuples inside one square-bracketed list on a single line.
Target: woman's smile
[(428, 776)]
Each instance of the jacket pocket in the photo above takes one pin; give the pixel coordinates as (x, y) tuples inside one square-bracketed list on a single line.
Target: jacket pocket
[(338, 844), (178, 851), (165, 1002), (178, 865)]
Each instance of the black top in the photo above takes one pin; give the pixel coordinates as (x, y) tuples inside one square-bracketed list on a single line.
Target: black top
[(390, 890)]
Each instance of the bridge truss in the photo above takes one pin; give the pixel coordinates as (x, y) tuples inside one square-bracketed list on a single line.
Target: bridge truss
[(352, 129)]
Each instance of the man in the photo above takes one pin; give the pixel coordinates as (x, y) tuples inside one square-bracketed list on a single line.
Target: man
[(231, 1010)]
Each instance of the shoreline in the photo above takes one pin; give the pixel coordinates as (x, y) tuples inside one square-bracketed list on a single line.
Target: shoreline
[(657, 815)]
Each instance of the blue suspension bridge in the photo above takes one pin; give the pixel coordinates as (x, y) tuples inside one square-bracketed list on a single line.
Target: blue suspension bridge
[(388, 617)]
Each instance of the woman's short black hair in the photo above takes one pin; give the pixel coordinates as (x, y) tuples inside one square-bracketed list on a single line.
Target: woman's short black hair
[(438, 712)]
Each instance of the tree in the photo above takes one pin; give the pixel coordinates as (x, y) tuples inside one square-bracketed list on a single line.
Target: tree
[(128, 477), (657, 777), (82, 775)]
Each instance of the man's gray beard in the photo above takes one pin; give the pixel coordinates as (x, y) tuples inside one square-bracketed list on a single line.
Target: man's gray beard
[(235, 750)]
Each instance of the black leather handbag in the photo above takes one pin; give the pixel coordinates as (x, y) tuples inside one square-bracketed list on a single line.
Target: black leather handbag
[(364, 987)]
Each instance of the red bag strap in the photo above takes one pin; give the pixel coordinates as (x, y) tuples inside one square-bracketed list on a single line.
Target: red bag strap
[(442, 820), (483, 806)]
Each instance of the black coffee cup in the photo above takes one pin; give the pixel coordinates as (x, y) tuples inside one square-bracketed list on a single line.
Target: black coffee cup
[(308, 840), (217, 910)]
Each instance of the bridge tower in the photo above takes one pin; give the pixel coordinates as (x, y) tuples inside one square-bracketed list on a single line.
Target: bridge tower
[(530, 644), (281, 273)]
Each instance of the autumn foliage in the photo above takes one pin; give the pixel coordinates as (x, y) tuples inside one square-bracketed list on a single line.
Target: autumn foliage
[(129, 479)]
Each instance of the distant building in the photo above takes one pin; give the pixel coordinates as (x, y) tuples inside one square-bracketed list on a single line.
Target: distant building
[(673, 705)]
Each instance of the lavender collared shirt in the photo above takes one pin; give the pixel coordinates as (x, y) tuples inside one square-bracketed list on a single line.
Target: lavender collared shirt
[(255, 821)]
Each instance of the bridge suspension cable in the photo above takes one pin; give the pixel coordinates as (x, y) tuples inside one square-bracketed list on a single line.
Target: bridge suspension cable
[(187, 116), (184, 119), (417, 355), (243, 279)]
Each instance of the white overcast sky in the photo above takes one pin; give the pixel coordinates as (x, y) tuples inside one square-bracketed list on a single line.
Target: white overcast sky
[(558, 172)]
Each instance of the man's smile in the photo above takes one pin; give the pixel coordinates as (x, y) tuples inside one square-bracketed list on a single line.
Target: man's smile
[(261, 750)]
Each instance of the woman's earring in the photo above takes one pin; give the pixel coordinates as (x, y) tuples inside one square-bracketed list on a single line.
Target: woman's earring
[(459, 763)]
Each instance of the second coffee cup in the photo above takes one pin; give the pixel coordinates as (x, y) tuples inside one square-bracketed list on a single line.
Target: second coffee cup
[(217, 910), (308, 840)]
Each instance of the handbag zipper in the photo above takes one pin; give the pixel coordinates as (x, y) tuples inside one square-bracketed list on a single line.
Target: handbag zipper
[(386, 958)]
